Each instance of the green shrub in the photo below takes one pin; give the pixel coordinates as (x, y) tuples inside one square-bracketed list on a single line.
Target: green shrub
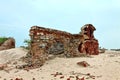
[(3, 39), (27, 44)]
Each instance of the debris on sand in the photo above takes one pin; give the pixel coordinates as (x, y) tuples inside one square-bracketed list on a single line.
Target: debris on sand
[(3, 66), (83, 64), (56, 74)]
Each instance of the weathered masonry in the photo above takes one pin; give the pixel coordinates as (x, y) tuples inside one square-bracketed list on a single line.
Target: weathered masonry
[(7, 44), (89, 44), (51, 41)]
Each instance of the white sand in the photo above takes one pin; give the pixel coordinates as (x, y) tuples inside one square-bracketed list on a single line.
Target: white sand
[(103, 66)]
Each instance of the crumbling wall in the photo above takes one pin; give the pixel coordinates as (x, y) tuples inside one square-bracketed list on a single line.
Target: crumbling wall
[(46, 41), (8, 44), (73, 45), (89, 44)]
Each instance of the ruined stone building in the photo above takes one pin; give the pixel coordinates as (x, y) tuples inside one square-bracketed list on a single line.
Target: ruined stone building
[(51, 41), (7, 44), (89, 44)]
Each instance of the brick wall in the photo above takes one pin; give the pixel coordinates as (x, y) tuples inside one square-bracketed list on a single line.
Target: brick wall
[(50, 41)]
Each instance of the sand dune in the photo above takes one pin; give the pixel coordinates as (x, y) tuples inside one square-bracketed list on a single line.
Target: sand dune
[(105, 66), (11, 54)]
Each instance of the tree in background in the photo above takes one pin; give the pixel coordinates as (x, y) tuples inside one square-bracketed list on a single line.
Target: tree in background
[(27, 44)]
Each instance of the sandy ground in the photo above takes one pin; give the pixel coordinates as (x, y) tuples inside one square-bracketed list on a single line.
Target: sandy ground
[(11, 54), (104, 66)]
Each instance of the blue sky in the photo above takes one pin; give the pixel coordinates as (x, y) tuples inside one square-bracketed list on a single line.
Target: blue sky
[(17, 16)]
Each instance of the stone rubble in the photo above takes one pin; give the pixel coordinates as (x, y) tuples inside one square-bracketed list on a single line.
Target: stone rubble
[(83, 64)]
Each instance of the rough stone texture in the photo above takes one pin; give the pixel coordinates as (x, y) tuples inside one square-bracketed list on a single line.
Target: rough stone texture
[(89, 44), (8, 44), (46, 41)]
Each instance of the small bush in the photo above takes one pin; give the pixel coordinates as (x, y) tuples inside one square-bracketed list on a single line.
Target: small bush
[(3, 39), (27, 44)]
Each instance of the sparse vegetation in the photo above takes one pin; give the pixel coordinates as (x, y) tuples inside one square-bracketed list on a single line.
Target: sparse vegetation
[(102, 50), (3, 39), (27, 44), (115, 49)]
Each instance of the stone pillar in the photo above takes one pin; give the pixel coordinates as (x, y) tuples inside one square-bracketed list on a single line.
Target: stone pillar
[(89, 44)]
